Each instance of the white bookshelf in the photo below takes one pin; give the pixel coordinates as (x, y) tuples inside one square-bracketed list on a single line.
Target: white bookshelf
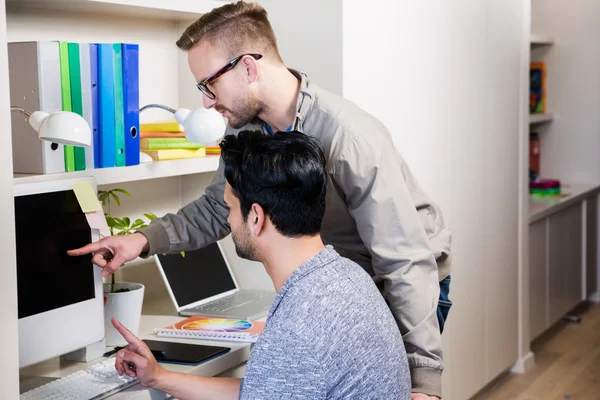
[(156, 9), (146, 171), (540, 118), (541, 40)]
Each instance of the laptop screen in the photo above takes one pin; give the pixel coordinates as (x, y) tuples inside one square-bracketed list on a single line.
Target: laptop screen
[(197, 276)]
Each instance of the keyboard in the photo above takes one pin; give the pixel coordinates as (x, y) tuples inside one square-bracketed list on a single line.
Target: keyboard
[(98, 381), (229, 302)]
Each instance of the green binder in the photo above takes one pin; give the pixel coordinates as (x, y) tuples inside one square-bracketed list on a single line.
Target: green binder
[(119, 110), (65, 86), (76, 98)]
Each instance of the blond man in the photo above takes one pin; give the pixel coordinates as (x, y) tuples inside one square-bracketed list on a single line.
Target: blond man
[(377, 214)]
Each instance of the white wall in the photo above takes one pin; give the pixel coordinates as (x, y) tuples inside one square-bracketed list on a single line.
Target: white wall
[(309, 36), (445, 78), (571, 143), (9, 362)]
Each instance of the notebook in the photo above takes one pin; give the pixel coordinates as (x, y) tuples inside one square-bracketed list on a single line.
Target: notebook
[(198, 327), (202, 283)]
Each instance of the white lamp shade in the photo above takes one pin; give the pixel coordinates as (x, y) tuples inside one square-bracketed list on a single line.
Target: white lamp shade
[(62, 127), (201, 125)]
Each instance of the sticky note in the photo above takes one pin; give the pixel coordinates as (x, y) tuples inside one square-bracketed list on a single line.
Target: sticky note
[(96, 220), (86, 196)]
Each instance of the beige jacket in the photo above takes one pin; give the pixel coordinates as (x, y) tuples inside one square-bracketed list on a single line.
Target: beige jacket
[(377, 215)]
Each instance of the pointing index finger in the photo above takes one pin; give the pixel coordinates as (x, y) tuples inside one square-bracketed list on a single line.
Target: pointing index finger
[(87, 249), (135, 343)]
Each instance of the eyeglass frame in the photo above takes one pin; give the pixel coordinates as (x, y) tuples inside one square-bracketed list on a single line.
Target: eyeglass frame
[(203, 85)]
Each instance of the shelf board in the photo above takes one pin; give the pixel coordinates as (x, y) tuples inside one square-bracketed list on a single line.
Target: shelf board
[(157, 9), (540, 118), (154, 170), (541, 40)]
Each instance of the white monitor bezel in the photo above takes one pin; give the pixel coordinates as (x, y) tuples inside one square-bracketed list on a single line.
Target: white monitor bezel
[(60, 331)]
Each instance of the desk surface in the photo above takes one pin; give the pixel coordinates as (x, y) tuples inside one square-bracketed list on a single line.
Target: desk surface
[(56, 368)]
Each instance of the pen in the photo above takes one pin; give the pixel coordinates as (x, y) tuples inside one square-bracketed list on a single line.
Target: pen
[(113, 351)]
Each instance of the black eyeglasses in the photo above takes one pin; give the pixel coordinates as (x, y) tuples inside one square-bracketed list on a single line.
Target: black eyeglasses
[(203, 86)]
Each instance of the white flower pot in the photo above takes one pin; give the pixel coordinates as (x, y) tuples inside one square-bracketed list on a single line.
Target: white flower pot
[(124, 306)]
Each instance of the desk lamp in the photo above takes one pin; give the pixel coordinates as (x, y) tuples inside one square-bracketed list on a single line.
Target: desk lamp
[(200, 126), (61, 127)]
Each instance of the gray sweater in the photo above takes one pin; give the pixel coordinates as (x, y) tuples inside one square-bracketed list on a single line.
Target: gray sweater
[(329, 335)]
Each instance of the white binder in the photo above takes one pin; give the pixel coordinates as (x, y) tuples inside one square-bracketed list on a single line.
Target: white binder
[(34, 71), (86, 97)]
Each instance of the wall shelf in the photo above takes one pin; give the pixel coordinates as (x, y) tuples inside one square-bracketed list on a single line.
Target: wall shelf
[(540, 118), (158, 9), (154, 170), (541, 40)]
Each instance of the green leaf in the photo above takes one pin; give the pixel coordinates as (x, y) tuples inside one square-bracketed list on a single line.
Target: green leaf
[(102, 196), (110, 221), (114, 196), (139, 227), (122, 233), (150, 216), (126, 221), (125, 192), (120, 224), (137, 223)]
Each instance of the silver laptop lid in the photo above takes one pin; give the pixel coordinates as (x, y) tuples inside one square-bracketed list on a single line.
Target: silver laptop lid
[(200, 277)]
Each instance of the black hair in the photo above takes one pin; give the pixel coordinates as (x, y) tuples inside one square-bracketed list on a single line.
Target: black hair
[(284, 173)]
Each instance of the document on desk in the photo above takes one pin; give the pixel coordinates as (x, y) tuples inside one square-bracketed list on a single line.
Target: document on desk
[(209, 328)]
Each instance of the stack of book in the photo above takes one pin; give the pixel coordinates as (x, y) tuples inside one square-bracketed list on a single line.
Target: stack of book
[(166, 141)]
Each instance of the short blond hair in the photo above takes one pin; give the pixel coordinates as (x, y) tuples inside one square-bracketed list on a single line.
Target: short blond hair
[(236, 29)]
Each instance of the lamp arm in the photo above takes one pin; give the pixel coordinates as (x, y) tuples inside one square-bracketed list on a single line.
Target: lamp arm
[(171, 110), (22, 110)]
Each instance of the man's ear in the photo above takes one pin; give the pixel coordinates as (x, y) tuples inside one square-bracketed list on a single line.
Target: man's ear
[(251, 68), (256, 220)]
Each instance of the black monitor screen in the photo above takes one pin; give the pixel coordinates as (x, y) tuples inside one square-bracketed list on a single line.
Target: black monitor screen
[(47, 225), (197, 276)]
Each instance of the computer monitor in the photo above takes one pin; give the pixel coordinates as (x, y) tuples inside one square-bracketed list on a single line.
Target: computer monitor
[(60, 299)]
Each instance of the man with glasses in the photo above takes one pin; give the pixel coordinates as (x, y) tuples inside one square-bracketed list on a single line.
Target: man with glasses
[(377, 214)]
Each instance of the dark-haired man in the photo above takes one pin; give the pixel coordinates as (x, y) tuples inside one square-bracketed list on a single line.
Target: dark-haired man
[(329, 333)]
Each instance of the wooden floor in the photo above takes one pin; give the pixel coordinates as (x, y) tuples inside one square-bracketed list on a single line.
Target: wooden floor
[(567, 365)]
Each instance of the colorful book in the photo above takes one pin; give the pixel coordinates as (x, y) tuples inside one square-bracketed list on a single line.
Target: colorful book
[(162, 135), (175, 154), (223, 329), (165, 126), (76, 98), (119, 110), (131, 102), (106, 106), (213, 150), (537, 88), (65, 82), (168, 143), (95, 93)]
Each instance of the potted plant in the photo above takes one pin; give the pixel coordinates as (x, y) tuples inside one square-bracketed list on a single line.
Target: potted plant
[(122, 300)]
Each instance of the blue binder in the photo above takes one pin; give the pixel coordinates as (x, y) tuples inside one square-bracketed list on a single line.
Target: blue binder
[(131, 102), (95, 103), (106, 106)]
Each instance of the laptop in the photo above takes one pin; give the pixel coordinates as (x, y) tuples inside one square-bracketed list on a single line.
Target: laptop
[(202, 283)]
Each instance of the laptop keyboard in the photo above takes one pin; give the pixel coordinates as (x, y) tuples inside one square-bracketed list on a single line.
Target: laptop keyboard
[(229, 302)]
